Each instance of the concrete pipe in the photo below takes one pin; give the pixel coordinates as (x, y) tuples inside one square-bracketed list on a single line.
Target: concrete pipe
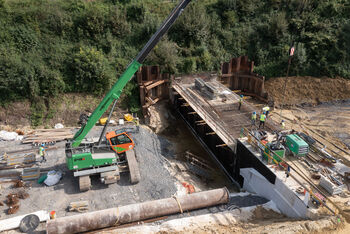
[(137, 212)]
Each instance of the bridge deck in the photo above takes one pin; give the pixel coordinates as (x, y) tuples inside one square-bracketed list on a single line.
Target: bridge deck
[(221, 113)]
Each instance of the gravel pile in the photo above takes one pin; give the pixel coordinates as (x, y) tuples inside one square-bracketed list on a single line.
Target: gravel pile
[(151, 150)]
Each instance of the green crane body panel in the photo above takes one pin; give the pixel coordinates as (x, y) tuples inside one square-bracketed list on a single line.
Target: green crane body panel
[(85, 161), (279, 152), (297, 145), (112, 95)]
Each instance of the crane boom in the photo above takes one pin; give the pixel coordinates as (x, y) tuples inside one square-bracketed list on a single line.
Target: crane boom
[(117, 88)]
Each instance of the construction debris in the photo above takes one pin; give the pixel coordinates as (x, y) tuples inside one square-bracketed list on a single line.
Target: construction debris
[(198, 166), (79, 206), (332, 188), (22, 194), (59, 125), (12, 199), (19, 184), (13, 209), (10, 136), (53, 177), (189, 187)]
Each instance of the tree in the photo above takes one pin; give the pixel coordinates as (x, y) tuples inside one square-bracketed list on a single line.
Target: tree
[(90, 72), (165, 54)]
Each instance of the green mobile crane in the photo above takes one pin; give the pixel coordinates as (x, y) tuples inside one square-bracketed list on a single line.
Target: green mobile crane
[(115, 149)]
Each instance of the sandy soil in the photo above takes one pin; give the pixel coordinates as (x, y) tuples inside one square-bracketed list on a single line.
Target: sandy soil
[(245, 220), (307, 89), (328, 123), (321, 109)]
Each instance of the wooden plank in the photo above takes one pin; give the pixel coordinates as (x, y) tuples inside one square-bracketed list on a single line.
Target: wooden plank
[(48, 137), (181, 167), (155, 84), (52, 129)]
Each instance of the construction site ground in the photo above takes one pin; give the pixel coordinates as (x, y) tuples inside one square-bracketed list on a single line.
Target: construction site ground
[(160, 178), (319, 115)]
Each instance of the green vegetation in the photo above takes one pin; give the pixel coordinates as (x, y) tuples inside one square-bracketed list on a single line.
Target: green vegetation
[(52, 46)]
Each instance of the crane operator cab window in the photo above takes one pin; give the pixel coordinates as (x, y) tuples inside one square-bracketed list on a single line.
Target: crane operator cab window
[(121, 139)]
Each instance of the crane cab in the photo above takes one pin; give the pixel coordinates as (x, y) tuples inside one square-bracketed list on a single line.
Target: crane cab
[(119, 142)]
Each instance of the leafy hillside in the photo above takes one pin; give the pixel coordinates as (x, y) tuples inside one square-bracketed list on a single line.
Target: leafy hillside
[(52, 46)]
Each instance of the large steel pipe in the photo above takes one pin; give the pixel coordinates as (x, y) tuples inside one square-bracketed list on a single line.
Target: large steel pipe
[(137, 212)]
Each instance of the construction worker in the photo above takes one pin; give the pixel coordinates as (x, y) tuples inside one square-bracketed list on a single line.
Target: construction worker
[(283, 124), (266, 109), (288, 171), (240, 101), (42, 153), (262, 119), (253, 118)]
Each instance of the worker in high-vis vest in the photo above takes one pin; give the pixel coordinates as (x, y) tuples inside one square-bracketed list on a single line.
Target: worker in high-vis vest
[(253, 118), (283, 124), (42, 153), (266, 109), (262, 119), (240, 101)]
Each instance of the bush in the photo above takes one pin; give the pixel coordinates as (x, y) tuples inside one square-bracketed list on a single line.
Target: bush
[(90, 71)]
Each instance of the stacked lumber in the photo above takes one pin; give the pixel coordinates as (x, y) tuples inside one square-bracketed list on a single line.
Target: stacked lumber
[(47, 136)]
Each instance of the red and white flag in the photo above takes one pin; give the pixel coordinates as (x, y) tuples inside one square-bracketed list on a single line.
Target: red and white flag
[(291, 51)]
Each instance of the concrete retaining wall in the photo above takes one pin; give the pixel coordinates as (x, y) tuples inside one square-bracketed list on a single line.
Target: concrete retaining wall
[(284, 198)]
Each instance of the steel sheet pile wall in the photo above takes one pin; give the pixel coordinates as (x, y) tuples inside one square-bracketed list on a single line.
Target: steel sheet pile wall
[(224, 156), (237, 74), (246, 159), (154, 86)]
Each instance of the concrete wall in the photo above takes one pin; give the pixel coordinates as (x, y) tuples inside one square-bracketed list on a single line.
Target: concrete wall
[(285, 199)]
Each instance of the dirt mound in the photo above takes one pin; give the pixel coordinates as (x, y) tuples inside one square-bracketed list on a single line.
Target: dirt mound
[(308, 90), (159, 117), (261, 213)]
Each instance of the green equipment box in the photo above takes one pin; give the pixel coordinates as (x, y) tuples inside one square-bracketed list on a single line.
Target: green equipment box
[(280, 151), (296, 145)]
